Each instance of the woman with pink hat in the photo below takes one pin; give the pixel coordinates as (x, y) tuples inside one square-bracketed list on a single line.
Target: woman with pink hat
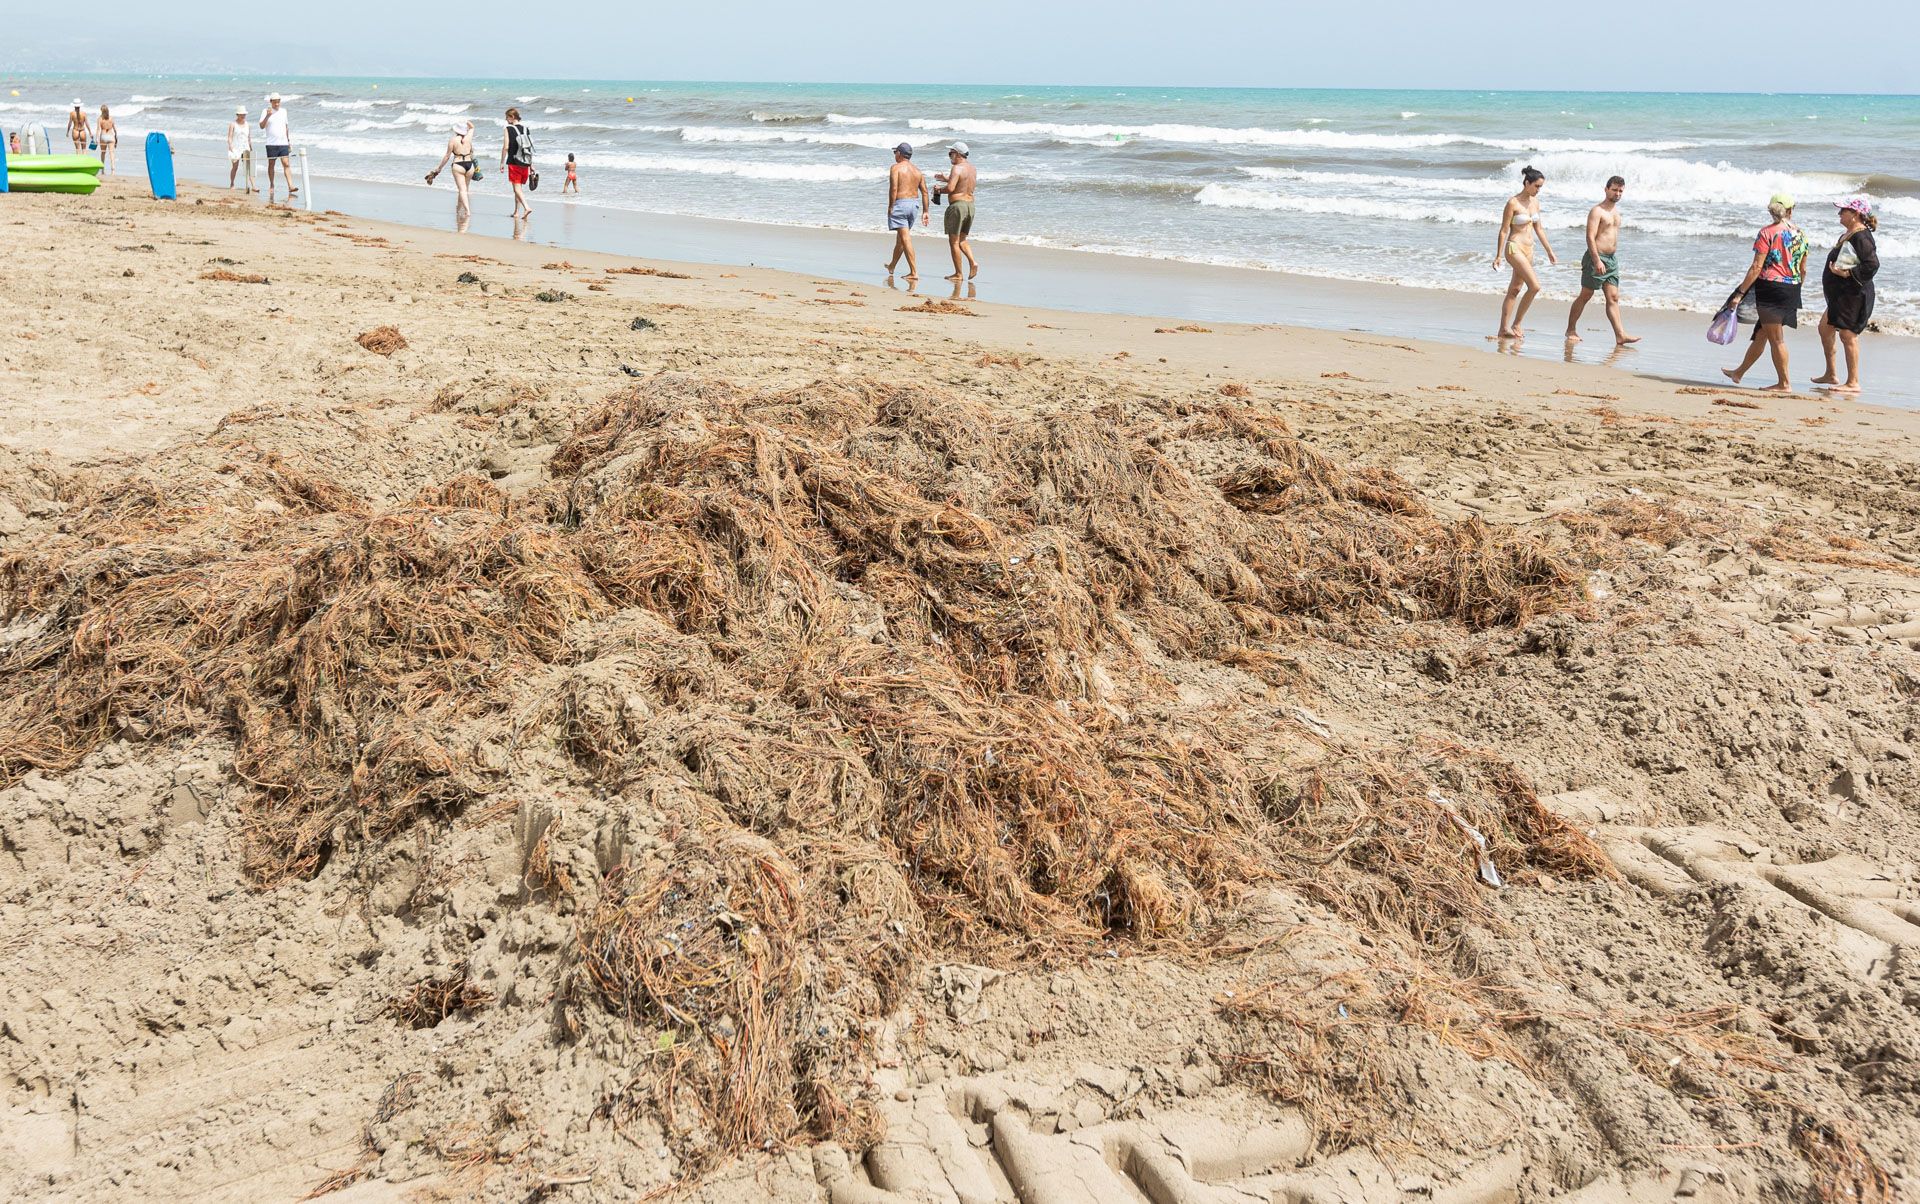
[(1848, 285)]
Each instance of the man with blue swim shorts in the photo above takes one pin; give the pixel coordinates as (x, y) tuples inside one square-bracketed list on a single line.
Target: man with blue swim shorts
[(906, 200)]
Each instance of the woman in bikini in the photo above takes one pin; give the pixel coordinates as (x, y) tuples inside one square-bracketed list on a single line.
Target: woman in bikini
[(573, 178), (78, 129), (1519, 225), (108, 135), (460, 154)]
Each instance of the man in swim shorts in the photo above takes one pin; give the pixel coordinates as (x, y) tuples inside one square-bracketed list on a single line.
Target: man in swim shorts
[(1600, 266), (906, 201), (279, 141), (959, 185)]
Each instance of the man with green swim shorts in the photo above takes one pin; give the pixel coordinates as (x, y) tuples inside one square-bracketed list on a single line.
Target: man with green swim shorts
[(1600, 266), (958, 185)]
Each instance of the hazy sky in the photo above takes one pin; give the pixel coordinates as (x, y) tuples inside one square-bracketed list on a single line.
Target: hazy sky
[(1650, 45)]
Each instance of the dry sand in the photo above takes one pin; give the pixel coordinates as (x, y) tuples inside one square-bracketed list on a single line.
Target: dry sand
[(638, 891)]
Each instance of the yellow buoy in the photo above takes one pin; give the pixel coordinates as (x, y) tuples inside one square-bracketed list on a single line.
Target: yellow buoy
[(629, 99)]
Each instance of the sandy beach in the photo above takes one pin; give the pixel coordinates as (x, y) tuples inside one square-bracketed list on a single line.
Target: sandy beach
[(486, 722)]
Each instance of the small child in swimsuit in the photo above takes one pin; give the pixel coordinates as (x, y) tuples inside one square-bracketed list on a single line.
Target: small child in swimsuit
[(573, 178)]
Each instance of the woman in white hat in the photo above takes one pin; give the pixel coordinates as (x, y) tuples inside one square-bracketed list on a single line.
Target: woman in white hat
[(465, 169), (1847, 283), (239, 146), (79, 128)]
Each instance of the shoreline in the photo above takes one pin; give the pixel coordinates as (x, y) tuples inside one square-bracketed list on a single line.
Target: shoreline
[(1673, 346)]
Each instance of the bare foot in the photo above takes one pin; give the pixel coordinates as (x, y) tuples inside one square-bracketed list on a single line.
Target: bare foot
[(975, 271), (1627, 340), (1731, 375), (891, 266), (954, 276), (913, 275), (1572, 337), (1505, 334), (1828, 379), (1782, 387), (1841, 388)]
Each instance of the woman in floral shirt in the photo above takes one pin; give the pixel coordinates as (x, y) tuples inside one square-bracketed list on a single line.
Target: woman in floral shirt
[(1779, 265)]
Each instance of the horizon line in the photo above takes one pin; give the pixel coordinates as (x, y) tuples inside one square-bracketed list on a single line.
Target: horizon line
[(826, 83)]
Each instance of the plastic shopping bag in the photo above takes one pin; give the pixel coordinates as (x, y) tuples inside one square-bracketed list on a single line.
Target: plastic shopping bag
[(1724, 328)]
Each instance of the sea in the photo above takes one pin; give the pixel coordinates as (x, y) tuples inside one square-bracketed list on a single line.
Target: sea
[(1398, 187)]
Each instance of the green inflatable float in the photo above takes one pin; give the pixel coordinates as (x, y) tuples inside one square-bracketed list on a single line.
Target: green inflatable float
[(52, 173)]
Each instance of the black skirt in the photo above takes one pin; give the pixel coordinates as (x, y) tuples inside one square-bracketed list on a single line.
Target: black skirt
[(1778, 303), (1849, 306)]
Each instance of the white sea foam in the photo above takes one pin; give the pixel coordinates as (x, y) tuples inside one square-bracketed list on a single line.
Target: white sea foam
[(1656, 178), (816, 173), (353, 106), (700, 133), (448, 110), (149, 100), (1259, 136), (840, 119), (1408, 114)]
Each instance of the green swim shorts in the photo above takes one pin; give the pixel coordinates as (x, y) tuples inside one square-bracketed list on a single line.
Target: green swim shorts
[(959, 218), (1589, 278)]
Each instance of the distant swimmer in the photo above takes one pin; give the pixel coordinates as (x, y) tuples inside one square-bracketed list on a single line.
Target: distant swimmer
[(107, 134), (1600, 265), (1519, 226), (1779, 265), (279, 142), (958, 186), (906, 201), (516, 156), (239, 146), (1848, 285), (459, 152), (78, 129)]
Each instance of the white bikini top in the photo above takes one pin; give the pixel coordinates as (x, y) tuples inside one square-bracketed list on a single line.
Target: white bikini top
[(1523, 218)]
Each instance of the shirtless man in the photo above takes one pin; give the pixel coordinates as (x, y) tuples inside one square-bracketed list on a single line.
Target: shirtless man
[(79, 129), (906, 200), (1599, 270), (959, 189)]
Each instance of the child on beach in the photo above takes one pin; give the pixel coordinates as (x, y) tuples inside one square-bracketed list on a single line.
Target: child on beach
[(573, 178)]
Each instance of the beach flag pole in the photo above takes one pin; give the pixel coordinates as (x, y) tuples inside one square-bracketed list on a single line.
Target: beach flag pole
[(305, 191)]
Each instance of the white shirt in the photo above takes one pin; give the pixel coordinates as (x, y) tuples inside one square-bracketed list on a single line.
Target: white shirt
[(277, 127), (239, 136)]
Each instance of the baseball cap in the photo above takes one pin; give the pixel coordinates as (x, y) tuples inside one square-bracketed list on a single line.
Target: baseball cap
[(1859, 204), (1782, 199), (905, 148), (960, 148)]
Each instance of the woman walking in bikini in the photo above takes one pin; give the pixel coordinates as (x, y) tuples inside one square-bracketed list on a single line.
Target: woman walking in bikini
[(107, 134), (460, 153), (1519, 225)]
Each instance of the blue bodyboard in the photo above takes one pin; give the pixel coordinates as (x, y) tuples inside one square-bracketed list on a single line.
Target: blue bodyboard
[(3, 165), (160, 166)]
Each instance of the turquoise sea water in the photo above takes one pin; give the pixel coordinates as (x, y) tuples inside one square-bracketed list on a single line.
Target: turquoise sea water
[(1395, 186)]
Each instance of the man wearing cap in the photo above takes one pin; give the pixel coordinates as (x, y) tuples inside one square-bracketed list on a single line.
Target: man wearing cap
[(78, 128), (958, 185), (239, 146), (279, 145), (906, 200)]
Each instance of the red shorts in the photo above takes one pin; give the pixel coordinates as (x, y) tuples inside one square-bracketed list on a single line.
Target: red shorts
[(516, 174)]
